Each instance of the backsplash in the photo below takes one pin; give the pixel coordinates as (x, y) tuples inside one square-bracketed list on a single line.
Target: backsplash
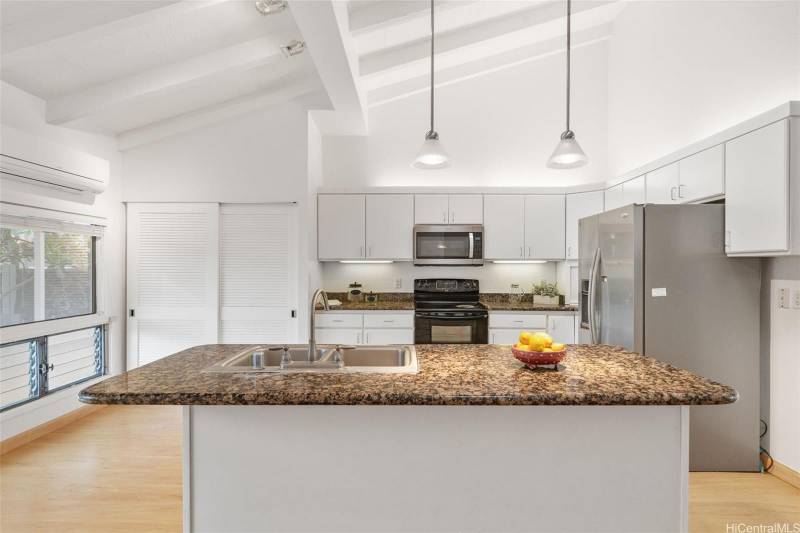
[(384, 277)]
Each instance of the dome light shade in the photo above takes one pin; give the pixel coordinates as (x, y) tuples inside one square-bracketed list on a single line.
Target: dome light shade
[(432, 155), (568, 153)]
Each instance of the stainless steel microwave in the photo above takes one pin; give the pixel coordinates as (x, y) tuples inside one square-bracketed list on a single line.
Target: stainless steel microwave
[(448, 244)]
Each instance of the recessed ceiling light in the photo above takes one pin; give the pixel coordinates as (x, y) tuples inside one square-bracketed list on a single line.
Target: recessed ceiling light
[(293, 48), (270, 7)]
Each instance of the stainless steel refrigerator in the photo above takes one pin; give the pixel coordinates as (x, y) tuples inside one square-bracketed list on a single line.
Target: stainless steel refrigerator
[(655, 279)]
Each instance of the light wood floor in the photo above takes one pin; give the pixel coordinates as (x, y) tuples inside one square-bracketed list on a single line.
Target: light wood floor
[(119, 470)]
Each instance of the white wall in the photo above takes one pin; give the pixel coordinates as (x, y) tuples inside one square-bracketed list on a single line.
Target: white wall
[(681, 71), (26, 112), (263, 156), (382, 277), (498, 128)]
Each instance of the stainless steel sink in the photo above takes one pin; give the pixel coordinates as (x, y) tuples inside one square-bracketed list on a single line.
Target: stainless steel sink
[(398, 359)]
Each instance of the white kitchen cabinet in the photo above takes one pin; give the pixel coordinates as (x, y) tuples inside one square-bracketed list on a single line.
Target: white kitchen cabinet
[(388, 336), (448, 209), (519, 321), (385, 320), (580, 205), (389, 226), (614, 197), (466, 208), (504, 226), (561, 328), (341, 226), (633, 191), (701, 176), (431, 209), (544, 226), (662, 185), (757, 215), (503, 336), (339, 336)]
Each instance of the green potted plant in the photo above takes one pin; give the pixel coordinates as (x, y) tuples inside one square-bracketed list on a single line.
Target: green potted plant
[(545, 293)]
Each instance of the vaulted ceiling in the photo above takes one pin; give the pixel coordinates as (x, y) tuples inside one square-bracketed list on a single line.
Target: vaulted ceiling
[(125, 67)]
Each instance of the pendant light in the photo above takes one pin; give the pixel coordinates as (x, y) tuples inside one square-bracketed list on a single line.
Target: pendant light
[(432, 154), (568, 153)]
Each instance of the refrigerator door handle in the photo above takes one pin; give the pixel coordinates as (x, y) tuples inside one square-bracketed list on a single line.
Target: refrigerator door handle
[(593, 297)]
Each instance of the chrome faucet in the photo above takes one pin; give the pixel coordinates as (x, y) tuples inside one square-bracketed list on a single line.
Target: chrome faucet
[(312, 336)]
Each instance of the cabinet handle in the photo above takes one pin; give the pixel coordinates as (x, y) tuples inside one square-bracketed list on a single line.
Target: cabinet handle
[(529, 251), (569, 251), (360, 251), (672, 192), (452, 217), (388, 321), (444, 217), (680, 191), (727, 238), (369, 251), (520, 252), (367, 338)]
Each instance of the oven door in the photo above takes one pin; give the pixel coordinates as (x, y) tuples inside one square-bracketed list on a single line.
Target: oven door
[(448, 245), (439, 328)]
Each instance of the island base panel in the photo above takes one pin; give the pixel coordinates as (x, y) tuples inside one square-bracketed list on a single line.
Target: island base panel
[(431, 468)]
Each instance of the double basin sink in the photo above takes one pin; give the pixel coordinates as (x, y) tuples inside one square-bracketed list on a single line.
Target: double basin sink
[(398, 359)]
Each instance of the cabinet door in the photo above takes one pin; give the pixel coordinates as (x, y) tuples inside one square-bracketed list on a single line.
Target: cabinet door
[(662, 185), (544, 226), (503, 336), (390, 226), (614, 197), (504, 226), (339, 336), (388, 336), (702, 175), (580, 205), (633, 191), (756, 191), (466, 209), (341, 224), (561, 328), (430, 209)]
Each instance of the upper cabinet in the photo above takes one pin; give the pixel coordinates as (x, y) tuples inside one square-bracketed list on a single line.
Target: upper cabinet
[(341, 226), (702, 175), (364, 227), (524, 227), (580, 205), (504, 226), (389, 229), (448, 209), (625, 193), (544, 226), (757, 203), (699, 177)]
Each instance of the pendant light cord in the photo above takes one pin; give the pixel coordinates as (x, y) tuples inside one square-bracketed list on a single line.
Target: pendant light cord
[(432, 130), (569, 43)]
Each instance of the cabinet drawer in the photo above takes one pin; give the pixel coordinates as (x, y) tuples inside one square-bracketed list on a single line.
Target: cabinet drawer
[(388, 320), (389, 336), (339, 336), (339, 320), (519, 321)]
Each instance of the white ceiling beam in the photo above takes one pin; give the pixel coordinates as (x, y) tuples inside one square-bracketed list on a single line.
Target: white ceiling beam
[(372, 15), (325, 28), (296, 88), (480, 42), (12, 59), (487, 65), (93, 100)]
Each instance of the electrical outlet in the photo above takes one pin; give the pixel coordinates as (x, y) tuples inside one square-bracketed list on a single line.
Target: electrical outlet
[(783, 298), (398, 283)]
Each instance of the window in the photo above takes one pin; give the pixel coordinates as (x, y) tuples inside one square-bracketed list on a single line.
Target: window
[(32, 368), (52, 329), (45, 275)]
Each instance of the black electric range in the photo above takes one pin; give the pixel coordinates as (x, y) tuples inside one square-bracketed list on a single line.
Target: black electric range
[(448, 311)]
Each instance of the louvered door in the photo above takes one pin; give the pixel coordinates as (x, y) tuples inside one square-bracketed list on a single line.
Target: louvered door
[(173, 273), (258, 273)]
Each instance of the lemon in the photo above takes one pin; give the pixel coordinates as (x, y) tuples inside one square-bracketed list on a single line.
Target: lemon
[(548, 350), (537, 344), (525, 337), (557, 346), (543, 338)]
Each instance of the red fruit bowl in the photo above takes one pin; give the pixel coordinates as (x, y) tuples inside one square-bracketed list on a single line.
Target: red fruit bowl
[(534, 359)]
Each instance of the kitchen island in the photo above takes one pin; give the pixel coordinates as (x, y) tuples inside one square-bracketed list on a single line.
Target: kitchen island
[(473, 442)]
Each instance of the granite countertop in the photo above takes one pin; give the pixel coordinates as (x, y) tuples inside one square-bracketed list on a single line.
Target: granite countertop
[(449, 375), (400, 301)]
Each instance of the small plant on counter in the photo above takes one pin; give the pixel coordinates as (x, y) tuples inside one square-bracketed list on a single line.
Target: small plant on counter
[(546, 293)]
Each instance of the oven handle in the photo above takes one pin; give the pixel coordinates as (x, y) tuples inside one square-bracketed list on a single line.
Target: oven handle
[(471, 245), (422, 315)]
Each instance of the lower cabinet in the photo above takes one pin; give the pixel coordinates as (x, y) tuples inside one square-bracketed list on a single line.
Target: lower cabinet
[(505, 327), (368, 327)]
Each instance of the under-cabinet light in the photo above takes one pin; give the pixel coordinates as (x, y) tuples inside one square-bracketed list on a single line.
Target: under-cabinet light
[(365, 262), (520, 262)]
